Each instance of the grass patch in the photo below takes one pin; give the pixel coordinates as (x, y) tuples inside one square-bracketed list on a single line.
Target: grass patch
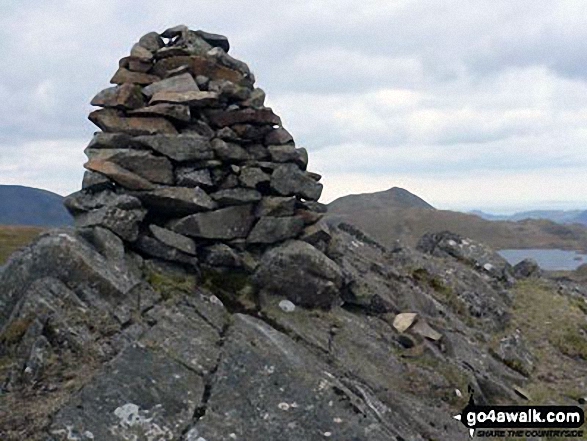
[(13, 238)]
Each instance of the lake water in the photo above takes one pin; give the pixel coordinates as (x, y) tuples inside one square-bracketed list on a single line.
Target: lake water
[(554, 260)]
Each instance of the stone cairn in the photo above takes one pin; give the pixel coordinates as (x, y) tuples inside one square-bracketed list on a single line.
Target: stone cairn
[(190, 166)]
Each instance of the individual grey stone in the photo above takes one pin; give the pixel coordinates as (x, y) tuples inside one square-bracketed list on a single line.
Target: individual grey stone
[(122, 222), (199, 127), (227, 134), (124, 75), (178, 112), (176, 201), (138, 51), (141, 162), (283, 153), (512, 351), (527, 268), (258, 152), (221, 57), (174, 31), (174, 240), (110, 120), (184, 147), (83, 201), (119, 174), (188, 177), (309, 217), (223, 224), (301, 273), (125, 96), (269, 230), (155, 248), (289, 180), (253, 177), (192, 99), (278, 136), (302, 159), (102, 140), (276, 206), (245, 116), (105, 241), (228, 90), (236, 196), (287, 306), (178, 71), (228, 151), (151, 41), (316, 233), (251, 132), (95, 181), (215, 40), (179, 83), (317, 207), (221, 255), (256, 100), (135, 64)]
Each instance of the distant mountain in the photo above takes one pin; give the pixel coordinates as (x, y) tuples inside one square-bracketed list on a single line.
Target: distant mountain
[(394, 198), (558, 216), (398, 214), (32, 206)]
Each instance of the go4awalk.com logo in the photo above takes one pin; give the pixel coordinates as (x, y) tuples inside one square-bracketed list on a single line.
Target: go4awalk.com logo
[(522, 421)]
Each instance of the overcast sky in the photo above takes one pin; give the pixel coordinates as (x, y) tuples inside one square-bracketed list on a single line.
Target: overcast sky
[(478, 104)]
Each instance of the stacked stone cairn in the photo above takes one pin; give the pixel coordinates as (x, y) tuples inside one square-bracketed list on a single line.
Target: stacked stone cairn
[(190, 167)]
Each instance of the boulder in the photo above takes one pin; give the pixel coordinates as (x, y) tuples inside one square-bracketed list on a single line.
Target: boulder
[(301, 273), (527, 268), (223, 224)]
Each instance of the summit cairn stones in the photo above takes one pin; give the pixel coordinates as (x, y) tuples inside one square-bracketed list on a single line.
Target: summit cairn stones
[(191, 168)]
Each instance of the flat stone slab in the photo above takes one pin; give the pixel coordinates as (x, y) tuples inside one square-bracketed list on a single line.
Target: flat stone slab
[(178, 112), (179, 148), (109, 120), (223, 224), (245, 116), (192, 99), (173, 239), (179, 83), (176, 201), (119, 174), (141, 162)]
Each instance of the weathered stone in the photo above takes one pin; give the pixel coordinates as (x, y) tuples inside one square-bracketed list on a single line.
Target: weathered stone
[(278, 136), (256, 100), (178, 112), (122, 222), (141, 52), (95, 181), (188, 177), (302, 161), (236, 196), (221, 255), (253, 177), (527, 268), (174, 240), (229, 151), (193, 99), (123, 75), (224, 224), (126, 96), (179, 83), (301, 273), (200, 128), (109, 120), (317, 207), (269, 230), (215, 40), (83, 201), (223, 58), (512, 351), (141, 162), (119, 174), (136, 64), (289, 180), (283, 153), (227, 134), (228, 90), (245, 116), (174, 31), (403, 321), (251, 132), (198, 66), (276, 206), (151, 41), (184, 147), (258, 152), (309, 217), (176, 201), (102, 140), (105, 241), (316, 234), (178, 71)]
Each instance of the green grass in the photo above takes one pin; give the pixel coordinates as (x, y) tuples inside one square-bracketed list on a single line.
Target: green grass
[(14, 237)]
